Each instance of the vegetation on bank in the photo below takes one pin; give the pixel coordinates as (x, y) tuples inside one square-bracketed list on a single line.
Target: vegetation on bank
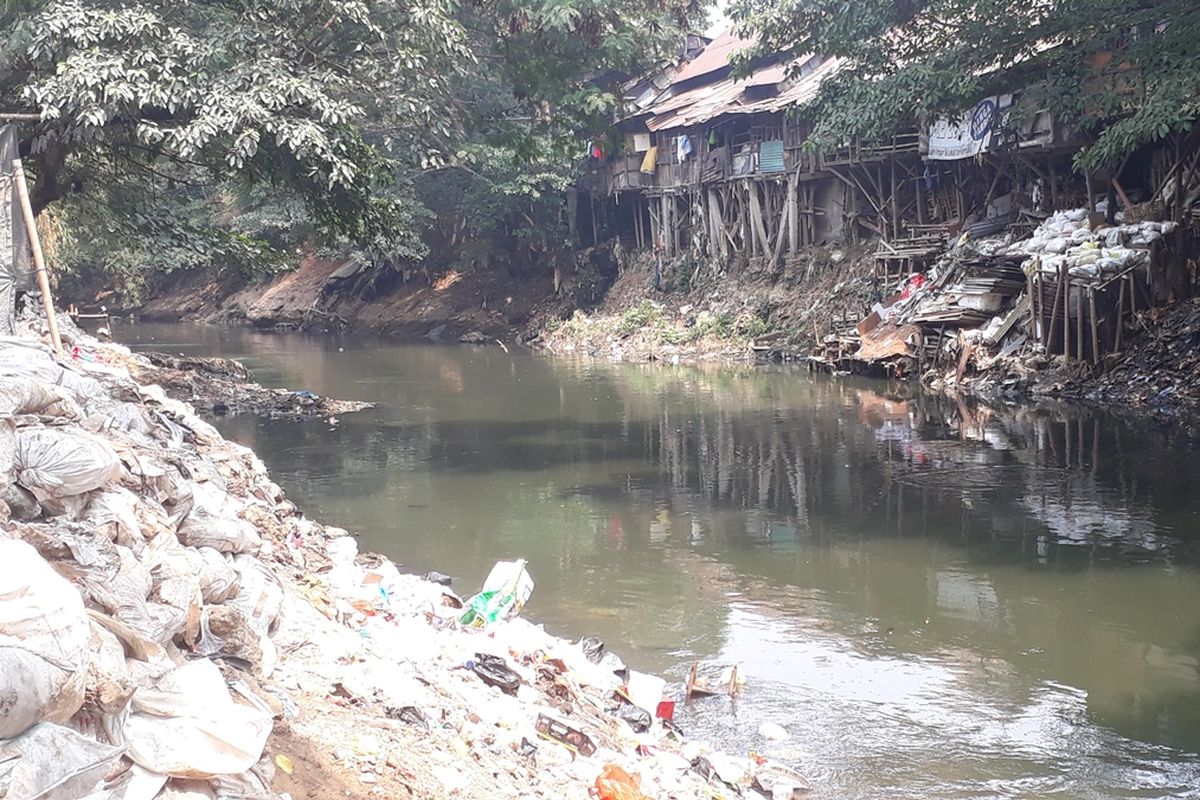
[(649, 329)]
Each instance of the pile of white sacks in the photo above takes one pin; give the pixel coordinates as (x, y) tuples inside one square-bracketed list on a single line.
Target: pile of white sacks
[(124, 555), (1065, 239)]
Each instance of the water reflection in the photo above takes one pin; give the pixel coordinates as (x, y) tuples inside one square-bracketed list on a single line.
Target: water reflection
[(936, 598)]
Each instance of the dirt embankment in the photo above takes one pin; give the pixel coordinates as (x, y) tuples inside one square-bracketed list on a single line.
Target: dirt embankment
[(684, 311), (480, 304)]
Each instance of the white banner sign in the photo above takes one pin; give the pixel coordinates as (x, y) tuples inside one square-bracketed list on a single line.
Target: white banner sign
[(968, 135)]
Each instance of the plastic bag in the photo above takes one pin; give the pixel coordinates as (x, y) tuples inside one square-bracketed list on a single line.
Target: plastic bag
[(44, 638), (614, 783), (505, 592), (638, 718), (494, 671), (51, 762), (190, 727), (53, 463)]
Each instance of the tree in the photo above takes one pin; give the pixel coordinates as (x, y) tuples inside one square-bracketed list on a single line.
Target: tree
[(1128, 70), (269, 91), (159, 113)]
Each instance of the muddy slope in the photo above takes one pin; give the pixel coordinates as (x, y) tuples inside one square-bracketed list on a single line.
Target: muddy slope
[(322, 294)]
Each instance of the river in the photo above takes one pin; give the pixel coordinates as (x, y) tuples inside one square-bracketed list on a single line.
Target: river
[(935, 600)]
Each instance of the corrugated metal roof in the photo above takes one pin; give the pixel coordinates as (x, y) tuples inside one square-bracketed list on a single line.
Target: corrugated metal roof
[(713, 57), (726, 96)]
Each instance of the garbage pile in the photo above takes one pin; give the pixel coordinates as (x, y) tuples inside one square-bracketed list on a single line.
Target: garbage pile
[(220, 386), (172, 627), (996, 299)]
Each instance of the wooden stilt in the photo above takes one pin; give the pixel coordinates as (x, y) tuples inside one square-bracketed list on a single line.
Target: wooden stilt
[(1095, 326), (793, 204), (1066, 309), (1120, 318), (39, 259), (1079, 327)]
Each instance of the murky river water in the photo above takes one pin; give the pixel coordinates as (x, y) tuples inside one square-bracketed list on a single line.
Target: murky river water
[(935, 601)]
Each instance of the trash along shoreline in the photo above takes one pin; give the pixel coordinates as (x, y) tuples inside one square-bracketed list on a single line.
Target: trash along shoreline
[(171, 626)]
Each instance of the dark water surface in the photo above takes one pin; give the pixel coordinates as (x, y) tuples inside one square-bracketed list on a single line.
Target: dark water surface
[(936, 601)]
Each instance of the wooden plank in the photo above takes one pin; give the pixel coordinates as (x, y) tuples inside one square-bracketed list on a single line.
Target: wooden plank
[(756, 219), (793, 213)]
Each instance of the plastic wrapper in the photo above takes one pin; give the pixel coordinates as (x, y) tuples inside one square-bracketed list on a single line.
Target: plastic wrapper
[(614, 783), (494, 671)]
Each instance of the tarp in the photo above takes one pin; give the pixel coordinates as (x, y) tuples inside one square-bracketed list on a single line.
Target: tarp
[(968, 135)]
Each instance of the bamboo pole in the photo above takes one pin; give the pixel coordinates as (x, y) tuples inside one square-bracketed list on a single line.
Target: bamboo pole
[(39, 260), (20, 117)]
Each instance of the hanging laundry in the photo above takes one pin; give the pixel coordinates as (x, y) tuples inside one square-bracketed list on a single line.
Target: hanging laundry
[(712, 138), (684, 146), (649, 160), (641, 142), (597, 151)]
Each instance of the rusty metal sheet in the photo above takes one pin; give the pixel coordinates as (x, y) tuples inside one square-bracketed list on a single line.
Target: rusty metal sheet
[(886, 342)]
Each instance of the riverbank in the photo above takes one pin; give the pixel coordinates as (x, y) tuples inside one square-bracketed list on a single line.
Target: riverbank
[(637, 308), (231, 645)]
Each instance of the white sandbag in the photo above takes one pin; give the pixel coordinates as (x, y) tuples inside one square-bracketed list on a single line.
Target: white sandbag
[(114, 511), (214, 522), (218, 579), (27, 359), (51, 762), (259, 594), (44, 636), (109, 686), (124, 596), (190, 727), (8, 453), (24, 395), (226, 631), (176, 574), (54, 463)]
